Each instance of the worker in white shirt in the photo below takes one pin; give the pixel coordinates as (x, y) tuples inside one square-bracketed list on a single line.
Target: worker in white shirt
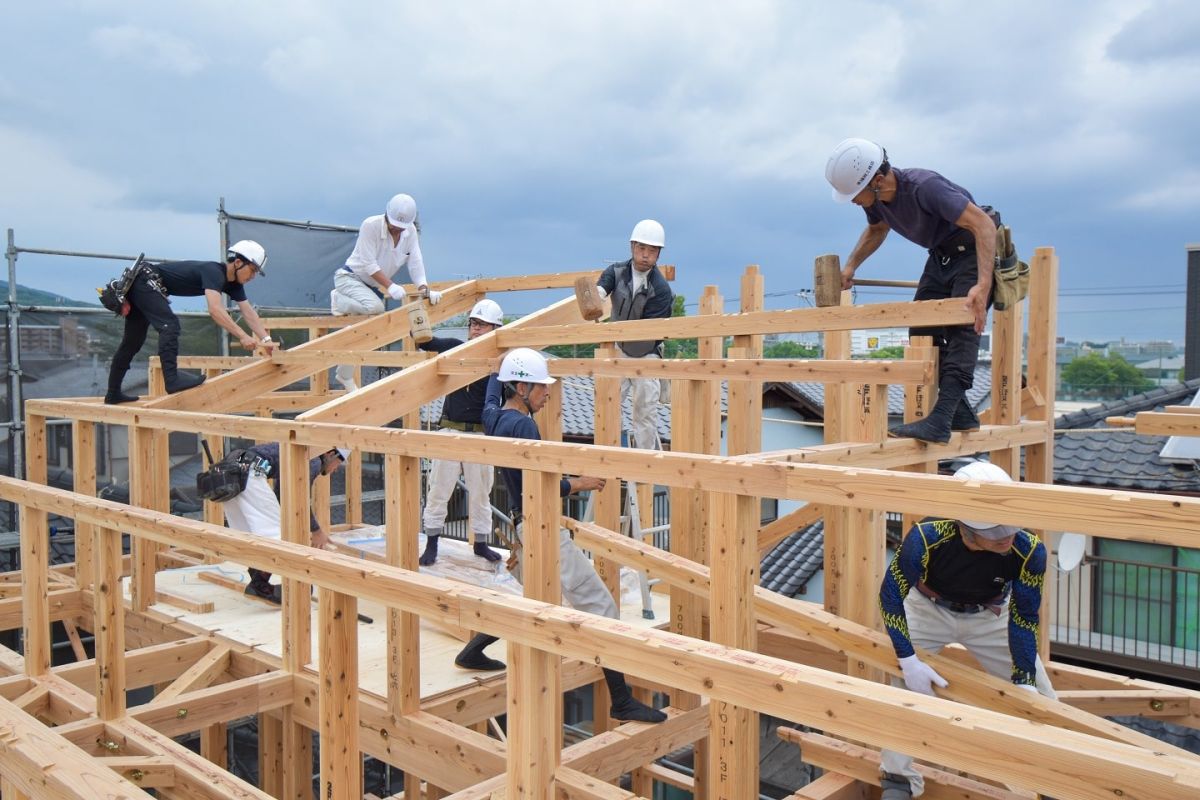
[(386, 242)]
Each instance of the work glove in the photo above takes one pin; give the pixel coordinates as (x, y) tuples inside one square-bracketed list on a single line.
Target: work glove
[(435, 297), (600, 290), (396, 292), (1027, 687), (919, 676)]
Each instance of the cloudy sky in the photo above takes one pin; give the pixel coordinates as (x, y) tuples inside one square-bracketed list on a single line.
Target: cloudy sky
[(534, 134)]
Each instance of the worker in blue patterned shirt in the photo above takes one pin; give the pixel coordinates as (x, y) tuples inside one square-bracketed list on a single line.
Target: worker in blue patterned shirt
[(978, 584)]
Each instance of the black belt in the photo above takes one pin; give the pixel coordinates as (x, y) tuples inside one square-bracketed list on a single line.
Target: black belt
[(994, 606), (374, 289), (465, 427), (955, 245)]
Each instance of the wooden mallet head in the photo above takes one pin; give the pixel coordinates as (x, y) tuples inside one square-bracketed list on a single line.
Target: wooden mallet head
[(591, 307), (827, 280)]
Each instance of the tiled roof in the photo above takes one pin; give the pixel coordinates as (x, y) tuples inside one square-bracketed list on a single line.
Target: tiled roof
[(788, 568), (981, 390), (1123, 459)]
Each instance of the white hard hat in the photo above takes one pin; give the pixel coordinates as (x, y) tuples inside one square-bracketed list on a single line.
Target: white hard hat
[(249, 250), (986, 472), (488, 311), (649, 232), (343, 453), (851, 166), (401, 210), (524, 365)]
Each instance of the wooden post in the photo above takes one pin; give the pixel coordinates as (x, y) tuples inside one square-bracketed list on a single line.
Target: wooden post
[(109, 626), (149, 487), (606, 505), (318, 382), (35, 556), (341, 761), (354, 489), (534, 678), (1043, 335), (83, 450), (918, 401), (402, 481), (296, 618), (733, 769), (1006, 381), (270, 752), (838, 416), (214, 744)]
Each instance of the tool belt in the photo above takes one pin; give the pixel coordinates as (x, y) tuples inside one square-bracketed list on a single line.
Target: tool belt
[(995, 605), (465, 427), (227, 478)]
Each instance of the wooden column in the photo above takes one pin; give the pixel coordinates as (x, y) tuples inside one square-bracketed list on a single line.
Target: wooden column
[(918, 401), (35, 556), (214, 744), (838, 415), (534, 678), (354, 489), (341, 761), (318, 382), (1043, 335), (109, 626), (403, 510), (149, 487), (1007, 330), (733, 767), (270, 751), (83, 467), (296, 616), (606, 506)]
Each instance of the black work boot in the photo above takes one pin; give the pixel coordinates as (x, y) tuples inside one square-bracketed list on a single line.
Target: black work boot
[(964, 418), (183, 382), (473, 657), (112, 398), (114, 395), (626, 707), (430, 555), (260, 586), (935, 427)]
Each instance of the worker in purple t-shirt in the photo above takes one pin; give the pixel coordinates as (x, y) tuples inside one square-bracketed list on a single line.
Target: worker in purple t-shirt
[(942, 217)]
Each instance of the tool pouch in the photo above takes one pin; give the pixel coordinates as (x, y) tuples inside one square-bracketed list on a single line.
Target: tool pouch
[(1010, 277), (113, 294), (227, 478)]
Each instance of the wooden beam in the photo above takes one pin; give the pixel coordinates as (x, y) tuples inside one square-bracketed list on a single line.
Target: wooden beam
[(553, 280), (924, 313), (759, 369), (776, 531), (862, 764), (198, 676), (570, 784), (831, 786), (367, 358)]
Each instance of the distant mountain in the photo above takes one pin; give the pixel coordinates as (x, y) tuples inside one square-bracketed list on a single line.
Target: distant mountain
[(37, 297)]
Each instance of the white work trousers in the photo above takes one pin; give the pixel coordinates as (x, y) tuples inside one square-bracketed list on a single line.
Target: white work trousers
[(255, 510), (443, 476), (351, 296), (644, 394), (581, 586), (985, 635)]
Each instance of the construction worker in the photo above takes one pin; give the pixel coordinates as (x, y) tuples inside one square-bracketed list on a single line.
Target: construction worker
[(256, 509), (943, 218), (519, 390), (386, 242), (639, 291), (462, 412), (976, 583), (149, 306)]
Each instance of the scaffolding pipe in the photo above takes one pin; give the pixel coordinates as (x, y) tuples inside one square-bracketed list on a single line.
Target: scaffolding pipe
[(16, 439)]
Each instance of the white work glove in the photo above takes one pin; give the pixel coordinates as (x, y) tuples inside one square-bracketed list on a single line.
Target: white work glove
[(1027, 687), (600, 290), (396, 292), (435, 297), (919, 676)]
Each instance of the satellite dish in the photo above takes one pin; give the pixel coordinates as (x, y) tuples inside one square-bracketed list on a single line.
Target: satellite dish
[(1071, 547)]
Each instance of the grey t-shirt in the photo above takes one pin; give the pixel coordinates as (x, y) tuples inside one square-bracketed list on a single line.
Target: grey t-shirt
[(924, 208)]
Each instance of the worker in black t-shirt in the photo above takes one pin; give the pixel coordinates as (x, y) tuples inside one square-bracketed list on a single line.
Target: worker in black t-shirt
[(149, 306)]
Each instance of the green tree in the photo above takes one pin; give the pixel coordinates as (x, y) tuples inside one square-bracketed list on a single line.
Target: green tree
[(1103, 377), (894, 351), (789, 349)]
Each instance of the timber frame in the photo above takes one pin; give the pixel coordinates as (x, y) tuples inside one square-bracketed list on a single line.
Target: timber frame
[(731, 651)]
